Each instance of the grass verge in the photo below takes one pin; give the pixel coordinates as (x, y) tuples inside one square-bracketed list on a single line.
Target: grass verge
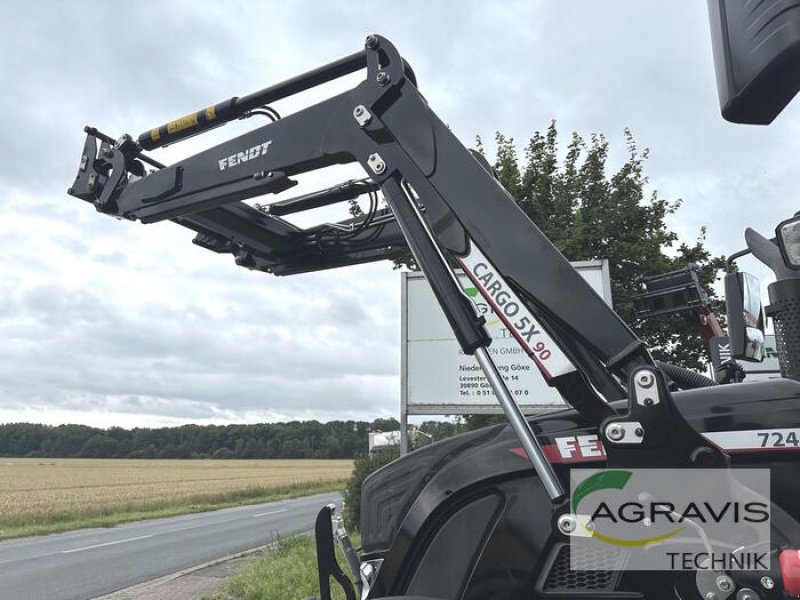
[(108, 517), (288, 571)]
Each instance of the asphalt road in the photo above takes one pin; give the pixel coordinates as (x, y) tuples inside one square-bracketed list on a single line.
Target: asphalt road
[(91, 562)]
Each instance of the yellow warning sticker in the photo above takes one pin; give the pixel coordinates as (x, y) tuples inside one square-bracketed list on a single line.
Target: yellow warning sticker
[(211, 113), (182, 123), (155, 134)]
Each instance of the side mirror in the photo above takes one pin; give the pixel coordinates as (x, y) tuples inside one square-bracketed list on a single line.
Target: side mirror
[(787, 235), (756, 56), (745, 316)]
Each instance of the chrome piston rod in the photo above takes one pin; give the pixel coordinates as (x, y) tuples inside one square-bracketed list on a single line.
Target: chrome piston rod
[(520, 425)]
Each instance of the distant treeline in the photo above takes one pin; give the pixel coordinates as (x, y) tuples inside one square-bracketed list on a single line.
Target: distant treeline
[(296, 439)]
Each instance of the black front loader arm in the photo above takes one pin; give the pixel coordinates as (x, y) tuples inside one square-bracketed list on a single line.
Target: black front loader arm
[(444, 203), (461, 200)]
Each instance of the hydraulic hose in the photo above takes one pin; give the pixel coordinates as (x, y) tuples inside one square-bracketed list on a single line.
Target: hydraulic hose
[(686, 379)]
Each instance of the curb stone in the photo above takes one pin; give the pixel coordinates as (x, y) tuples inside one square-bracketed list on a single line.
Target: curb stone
[(192, 583)]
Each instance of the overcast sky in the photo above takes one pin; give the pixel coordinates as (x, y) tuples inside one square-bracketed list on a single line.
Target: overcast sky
[(111, 323)]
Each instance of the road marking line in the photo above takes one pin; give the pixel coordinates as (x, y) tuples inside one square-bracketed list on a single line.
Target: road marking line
[(141, 537), (273, 512), (11, 560)]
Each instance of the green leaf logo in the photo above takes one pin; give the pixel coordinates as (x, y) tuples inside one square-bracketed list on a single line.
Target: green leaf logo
[(605, 480), (614, 480)]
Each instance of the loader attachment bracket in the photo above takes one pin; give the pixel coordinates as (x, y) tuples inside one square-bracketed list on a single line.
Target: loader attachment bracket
[(653, 433), (327, 564)]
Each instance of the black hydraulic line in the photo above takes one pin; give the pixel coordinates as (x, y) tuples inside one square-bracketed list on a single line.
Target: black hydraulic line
[(685, 378), (100, 135), (233, 108), (260, 111), (340, 193), (151, 161)]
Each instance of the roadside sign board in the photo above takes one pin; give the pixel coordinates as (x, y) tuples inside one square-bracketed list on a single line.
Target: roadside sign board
[(437, 378)]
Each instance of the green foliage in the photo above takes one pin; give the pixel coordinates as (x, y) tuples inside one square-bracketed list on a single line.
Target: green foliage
[(390, 424), (590, 213), (297, 439), (289, 570), (99, 446), (437, 430), (362, 469), (223, 454), (472, 422)]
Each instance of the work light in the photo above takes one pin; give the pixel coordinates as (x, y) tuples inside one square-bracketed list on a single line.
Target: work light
[(788, 236)]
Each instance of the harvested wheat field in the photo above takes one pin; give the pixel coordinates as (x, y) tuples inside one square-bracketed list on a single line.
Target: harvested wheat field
[(45, 495)]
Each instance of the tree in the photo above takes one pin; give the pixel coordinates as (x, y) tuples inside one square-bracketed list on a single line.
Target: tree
[(363, 468), (589, 214), (390, 424), (99, 446), (169, 451), (224, 454), (146, 452)]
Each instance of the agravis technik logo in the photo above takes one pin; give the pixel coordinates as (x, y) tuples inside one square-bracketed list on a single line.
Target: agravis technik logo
[(674, 519), (613, 480)]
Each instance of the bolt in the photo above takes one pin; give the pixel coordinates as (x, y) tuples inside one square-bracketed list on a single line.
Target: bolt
[(746, 594), (767, 582), (648, 402), (615, 433), (724, 583), (567, 524), (639, 432), (371, 42), (376, 163), (711, 596), (645, 379), (382, 78), (361, 114)]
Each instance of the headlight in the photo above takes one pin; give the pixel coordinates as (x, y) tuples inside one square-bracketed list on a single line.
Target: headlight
[(788, 237)]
